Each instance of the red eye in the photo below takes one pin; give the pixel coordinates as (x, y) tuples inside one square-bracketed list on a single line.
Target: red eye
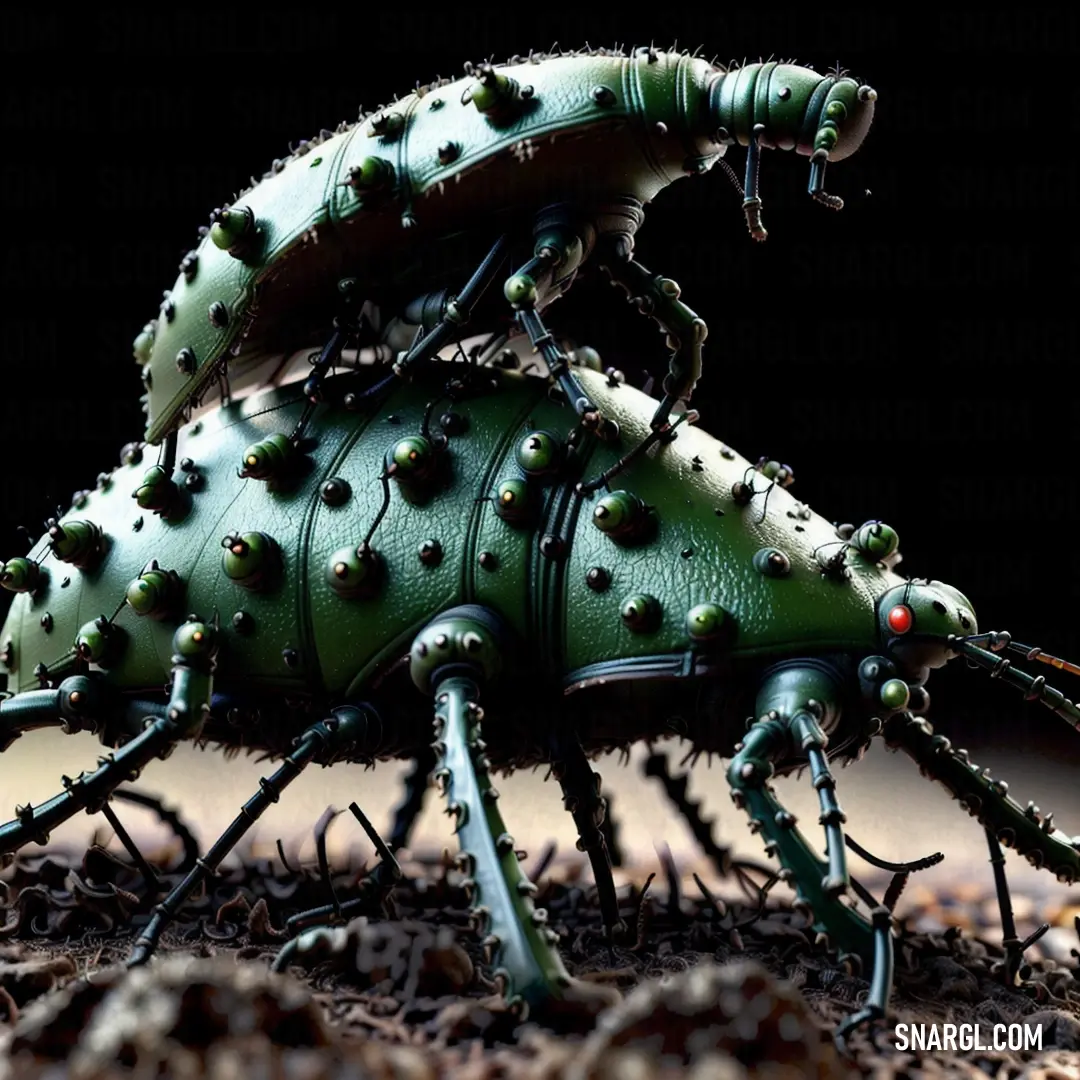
[(900, 619)]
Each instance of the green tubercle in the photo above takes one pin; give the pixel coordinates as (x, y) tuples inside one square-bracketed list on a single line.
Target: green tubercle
[(232, 228), (895, 694), (20, 575), (269, 458), (412, 460), (539, 454), (354, 572), (704, 622), (100, 642), (76, 542), (875, 540), (155, 592), (157, 492), (252, 560), (621, 515), (512, 501)]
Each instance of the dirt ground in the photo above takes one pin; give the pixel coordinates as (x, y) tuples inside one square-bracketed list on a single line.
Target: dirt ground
[(714, 982)]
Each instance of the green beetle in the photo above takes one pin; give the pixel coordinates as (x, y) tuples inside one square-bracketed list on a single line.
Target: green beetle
[(387, 567), (546, 161)]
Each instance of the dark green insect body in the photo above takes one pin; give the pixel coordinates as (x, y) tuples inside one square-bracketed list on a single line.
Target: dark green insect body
[(557, 152)]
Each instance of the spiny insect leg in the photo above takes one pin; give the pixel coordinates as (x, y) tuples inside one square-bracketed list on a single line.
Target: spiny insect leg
[(581, 796), (658, 297), (457, 310), (559, 365), (194, 657), (411, 806), (335, 736), (523, 946), (675, 787), (811, 877), (817, 884), (449, 659), (169, 818), (1026, 830), (1014, 965)]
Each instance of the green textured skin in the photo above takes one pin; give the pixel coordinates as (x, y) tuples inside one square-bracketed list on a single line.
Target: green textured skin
[(342, 644), (658, 123)]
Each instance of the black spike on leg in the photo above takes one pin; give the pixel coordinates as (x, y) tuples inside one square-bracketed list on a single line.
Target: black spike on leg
[(411, 806), (581, 796)]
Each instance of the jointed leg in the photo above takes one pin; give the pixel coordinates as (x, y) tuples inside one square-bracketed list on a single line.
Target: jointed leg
[(79, 703), (1014, 948), (792, 707), (449, 660), (581, 796), (336, 735), (557, 361), (410, 808), (658, 297), (195, 648), (1006, 823), (457, 311)]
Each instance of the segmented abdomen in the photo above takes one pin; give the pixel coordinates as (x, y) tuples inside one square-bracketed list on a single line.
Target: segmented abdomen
[(440, 163), (291, 620)]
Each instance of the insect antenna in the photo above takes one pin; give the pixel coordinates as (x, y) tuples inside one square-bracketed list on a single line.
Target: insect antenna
[(425, 424), (765, 504), (1035, 687), (1001, 640)]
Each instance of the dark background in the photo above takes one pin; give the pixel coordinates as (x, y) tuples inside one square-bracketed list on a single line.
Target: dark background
[(911, 356)]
